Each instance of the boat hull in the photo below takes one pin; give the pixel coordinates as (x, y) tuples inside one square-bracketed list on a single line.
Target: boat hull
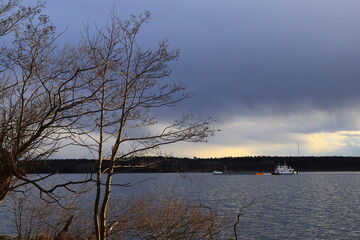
[(291, 173)]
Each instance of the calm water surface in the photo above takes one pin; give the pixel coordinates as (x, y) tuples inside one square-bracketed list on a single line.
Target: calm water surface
[(304, 206)]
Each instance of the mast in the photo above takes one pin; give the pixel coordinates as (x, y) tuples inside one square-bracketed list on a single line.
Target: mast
[(298, 149)]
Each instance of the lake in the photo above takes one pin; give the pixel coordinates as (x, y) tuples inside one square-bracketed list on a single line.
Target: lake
[(304, 206)]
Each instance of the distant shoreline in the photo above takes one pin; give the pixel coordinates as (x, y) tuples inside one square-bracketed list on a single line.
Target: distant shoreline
[(173, 164)]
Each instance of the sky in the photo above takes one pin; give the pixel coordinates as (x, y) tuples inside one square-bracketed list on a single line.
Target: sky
[(276, 74)]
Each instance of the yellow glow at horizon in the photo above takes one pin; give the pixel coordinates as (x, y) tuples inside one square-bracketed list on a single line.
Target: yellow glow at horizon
[(317, 143), (209, 151), (275, 135), (322, 143)]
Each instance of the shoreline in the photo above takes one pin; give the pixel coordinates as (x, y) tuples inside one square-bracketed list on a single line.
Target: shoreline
[(172, 164)]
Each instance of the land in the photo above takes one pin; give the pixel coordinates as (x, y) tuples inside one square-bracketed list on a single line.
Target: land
[(173, 164)]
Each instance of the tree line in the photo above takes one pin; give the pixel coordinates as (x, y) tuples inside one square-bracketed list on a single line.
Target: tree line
[(173, 164)]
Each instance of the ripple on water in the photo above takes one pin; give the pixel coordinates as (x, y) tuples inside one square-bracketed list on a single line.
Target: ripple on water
[(304, 206)]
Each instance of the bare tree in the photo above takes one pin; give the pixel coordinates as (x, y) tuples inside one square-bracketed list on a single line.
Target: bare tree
[(133, 82), (41, 99), (12, 13), (46, 91)]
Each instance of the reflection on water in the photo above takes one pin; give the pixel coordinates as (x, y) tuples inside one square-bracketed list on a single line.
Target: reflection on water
[(304, 206)]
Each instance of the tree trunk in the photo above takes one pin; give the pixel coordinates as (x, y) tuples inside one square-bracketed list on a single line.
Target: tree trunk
[(5, 183), (105, 203), (6, 175)]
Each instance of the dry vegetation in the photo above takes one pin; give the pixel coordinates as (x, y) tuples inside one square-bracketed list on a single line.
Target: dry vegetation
[(144, 217), (150, 218)]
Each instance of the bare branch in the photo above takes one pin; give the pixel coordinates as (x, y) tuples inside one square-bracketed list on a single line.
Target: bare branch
[(129, 84)]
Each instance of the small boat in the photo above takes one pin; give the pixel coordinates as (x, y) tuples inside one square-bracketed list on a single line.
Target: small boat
[(218, 172), (284, 170)]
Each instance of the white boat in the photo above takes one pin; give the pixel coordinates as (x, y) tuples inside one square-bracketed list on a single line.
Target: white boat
[(217, 172), (284, 170)]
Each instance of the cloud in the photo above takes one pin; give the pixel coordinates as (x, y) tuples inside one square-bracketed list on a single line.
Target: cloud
[(345, 143), (273, 73), (248, 52), (322, 143), (318, 133)]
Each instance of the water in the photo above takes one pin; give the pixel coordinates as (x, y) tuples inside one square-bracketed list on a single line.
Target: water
[(304, 206)]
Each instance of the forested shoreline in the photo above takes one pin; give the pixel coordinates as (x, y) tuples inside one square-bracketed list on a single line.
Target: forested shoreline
[(174, 164)]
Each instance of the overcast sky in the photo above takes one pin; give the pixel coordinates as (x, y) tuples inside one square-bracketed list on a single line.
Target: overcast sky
[(272, 72)]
